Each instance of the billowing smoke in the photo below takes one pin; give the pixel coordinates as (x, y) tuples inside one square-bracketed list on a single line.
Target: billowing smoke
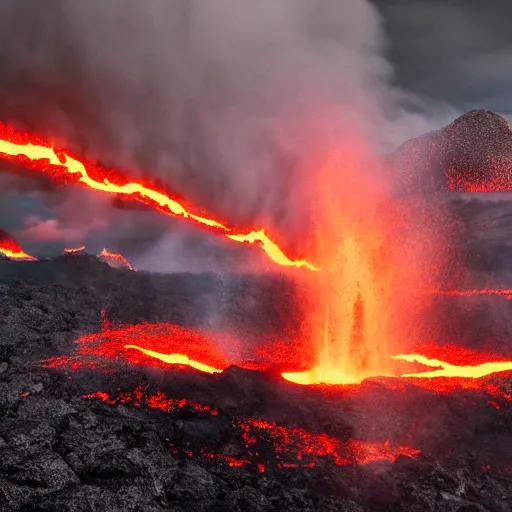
[(223, 101)]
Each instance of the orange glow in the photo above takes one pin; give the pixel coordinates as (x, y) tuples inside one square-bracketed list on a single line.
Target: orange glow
[(505, 292), (176, 359), (273, 251), (156, 345), (289, 447), (74, 251), (116, 259), (354, 315), (11, 249), (444, 369), (151, 345), (59, 165)]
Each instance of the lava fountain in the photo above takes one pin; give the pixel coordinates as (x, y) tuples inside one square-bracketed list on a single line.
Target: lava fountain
[(376, 252)]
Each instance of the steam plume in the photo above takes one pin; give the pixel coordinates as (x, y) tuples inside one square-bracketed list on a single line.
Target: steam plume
[(224, 101)]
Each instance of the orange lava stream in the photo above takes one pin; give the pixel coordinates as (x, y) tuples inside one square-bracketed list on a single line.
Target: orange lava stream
[(12, 249), (506, 292), (451, 370), (176, 359), (13, 255), (58, 164), (116, 257), (74, 251)]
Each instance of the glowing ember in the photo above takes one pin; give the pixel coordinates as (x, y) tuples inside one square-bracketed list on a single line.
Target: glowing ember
[(11, 249), (152, 345), (176, 359), (291, 447), (75, 251), (59, 165), (138, 398), (163, 345), (115, 259)]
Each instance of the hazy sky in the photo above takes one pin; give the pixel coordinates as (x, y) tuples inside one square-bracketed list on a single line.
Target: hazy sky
[(455, 50)]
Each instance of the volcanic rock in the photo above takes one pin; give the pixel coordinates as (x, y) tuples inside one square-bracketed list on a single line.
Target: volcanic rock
[(473, 153), (62, 451)]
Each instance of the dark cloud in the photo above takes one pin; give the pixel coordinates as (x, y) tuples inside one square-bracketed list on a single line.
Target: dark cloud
[(454, 50)]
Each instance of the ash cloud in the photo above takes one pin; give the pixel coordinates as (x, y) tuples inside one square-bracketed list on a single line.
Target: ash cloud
[(225, 102)]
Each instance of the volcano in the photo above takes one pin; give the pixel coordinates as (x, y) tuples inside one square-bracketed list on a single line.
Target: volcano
[(471, 154)]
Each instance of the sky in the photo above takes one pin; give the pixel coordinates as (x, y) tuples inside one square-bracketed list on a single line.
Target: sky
[(457, 51), (452, 53)]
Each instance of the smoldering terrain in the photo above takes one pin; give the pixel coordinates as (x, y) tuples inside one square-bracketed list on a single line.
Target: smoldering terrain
[(62, 451)]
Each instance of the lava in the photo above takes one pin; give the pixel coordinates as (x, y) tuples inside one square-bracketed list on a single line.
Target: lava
[(59, 165), (151, 345), (76, 250), (165, 346), (287, 447), (159, 400), (355, 316), (115, 259), (11, 249), (445, 369), (505, 292), (176, 359)]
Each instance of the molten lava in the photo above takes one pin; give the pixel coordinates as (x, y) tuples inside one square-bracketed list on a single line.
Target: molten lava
[(11, 249), (445, 369), (505, 292), (115, 259), (59, 165), (290, 447), (75, 250), (176, 359), (152, 345)]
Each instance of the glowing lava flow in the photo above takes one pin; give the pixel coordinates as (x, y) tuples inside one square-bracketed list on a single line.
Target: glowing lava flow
[(176, 359), (59, 165), (117, 258), (11, 249), (450, 370), (506, 292), (75, 251)]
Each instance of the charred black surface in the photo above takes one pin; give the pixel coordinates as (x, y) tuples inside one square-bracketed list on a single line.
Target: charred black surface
[(59, 451)]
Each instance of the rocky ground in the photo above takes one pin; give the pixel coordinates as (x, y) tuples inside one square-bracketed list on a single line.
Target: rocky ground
[(60, 451)]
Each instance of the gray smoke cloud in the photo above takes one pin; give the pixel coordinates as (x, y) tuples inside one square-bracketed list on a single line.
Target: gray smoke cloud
[(226, 102)]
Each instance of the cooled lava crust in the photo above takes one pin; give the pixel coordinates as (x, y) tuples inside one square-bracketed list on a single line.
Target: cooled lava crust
[(74, 441)]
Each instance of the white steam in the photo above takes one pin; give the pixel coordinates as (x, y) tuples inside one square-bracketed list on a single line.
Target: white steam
[(222, 100)]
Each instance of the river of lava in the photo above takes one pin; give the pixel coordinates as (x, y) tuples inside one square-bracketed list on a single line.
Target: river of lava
[(61, 166), (152, 345), (265, 443), (444, 369)]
